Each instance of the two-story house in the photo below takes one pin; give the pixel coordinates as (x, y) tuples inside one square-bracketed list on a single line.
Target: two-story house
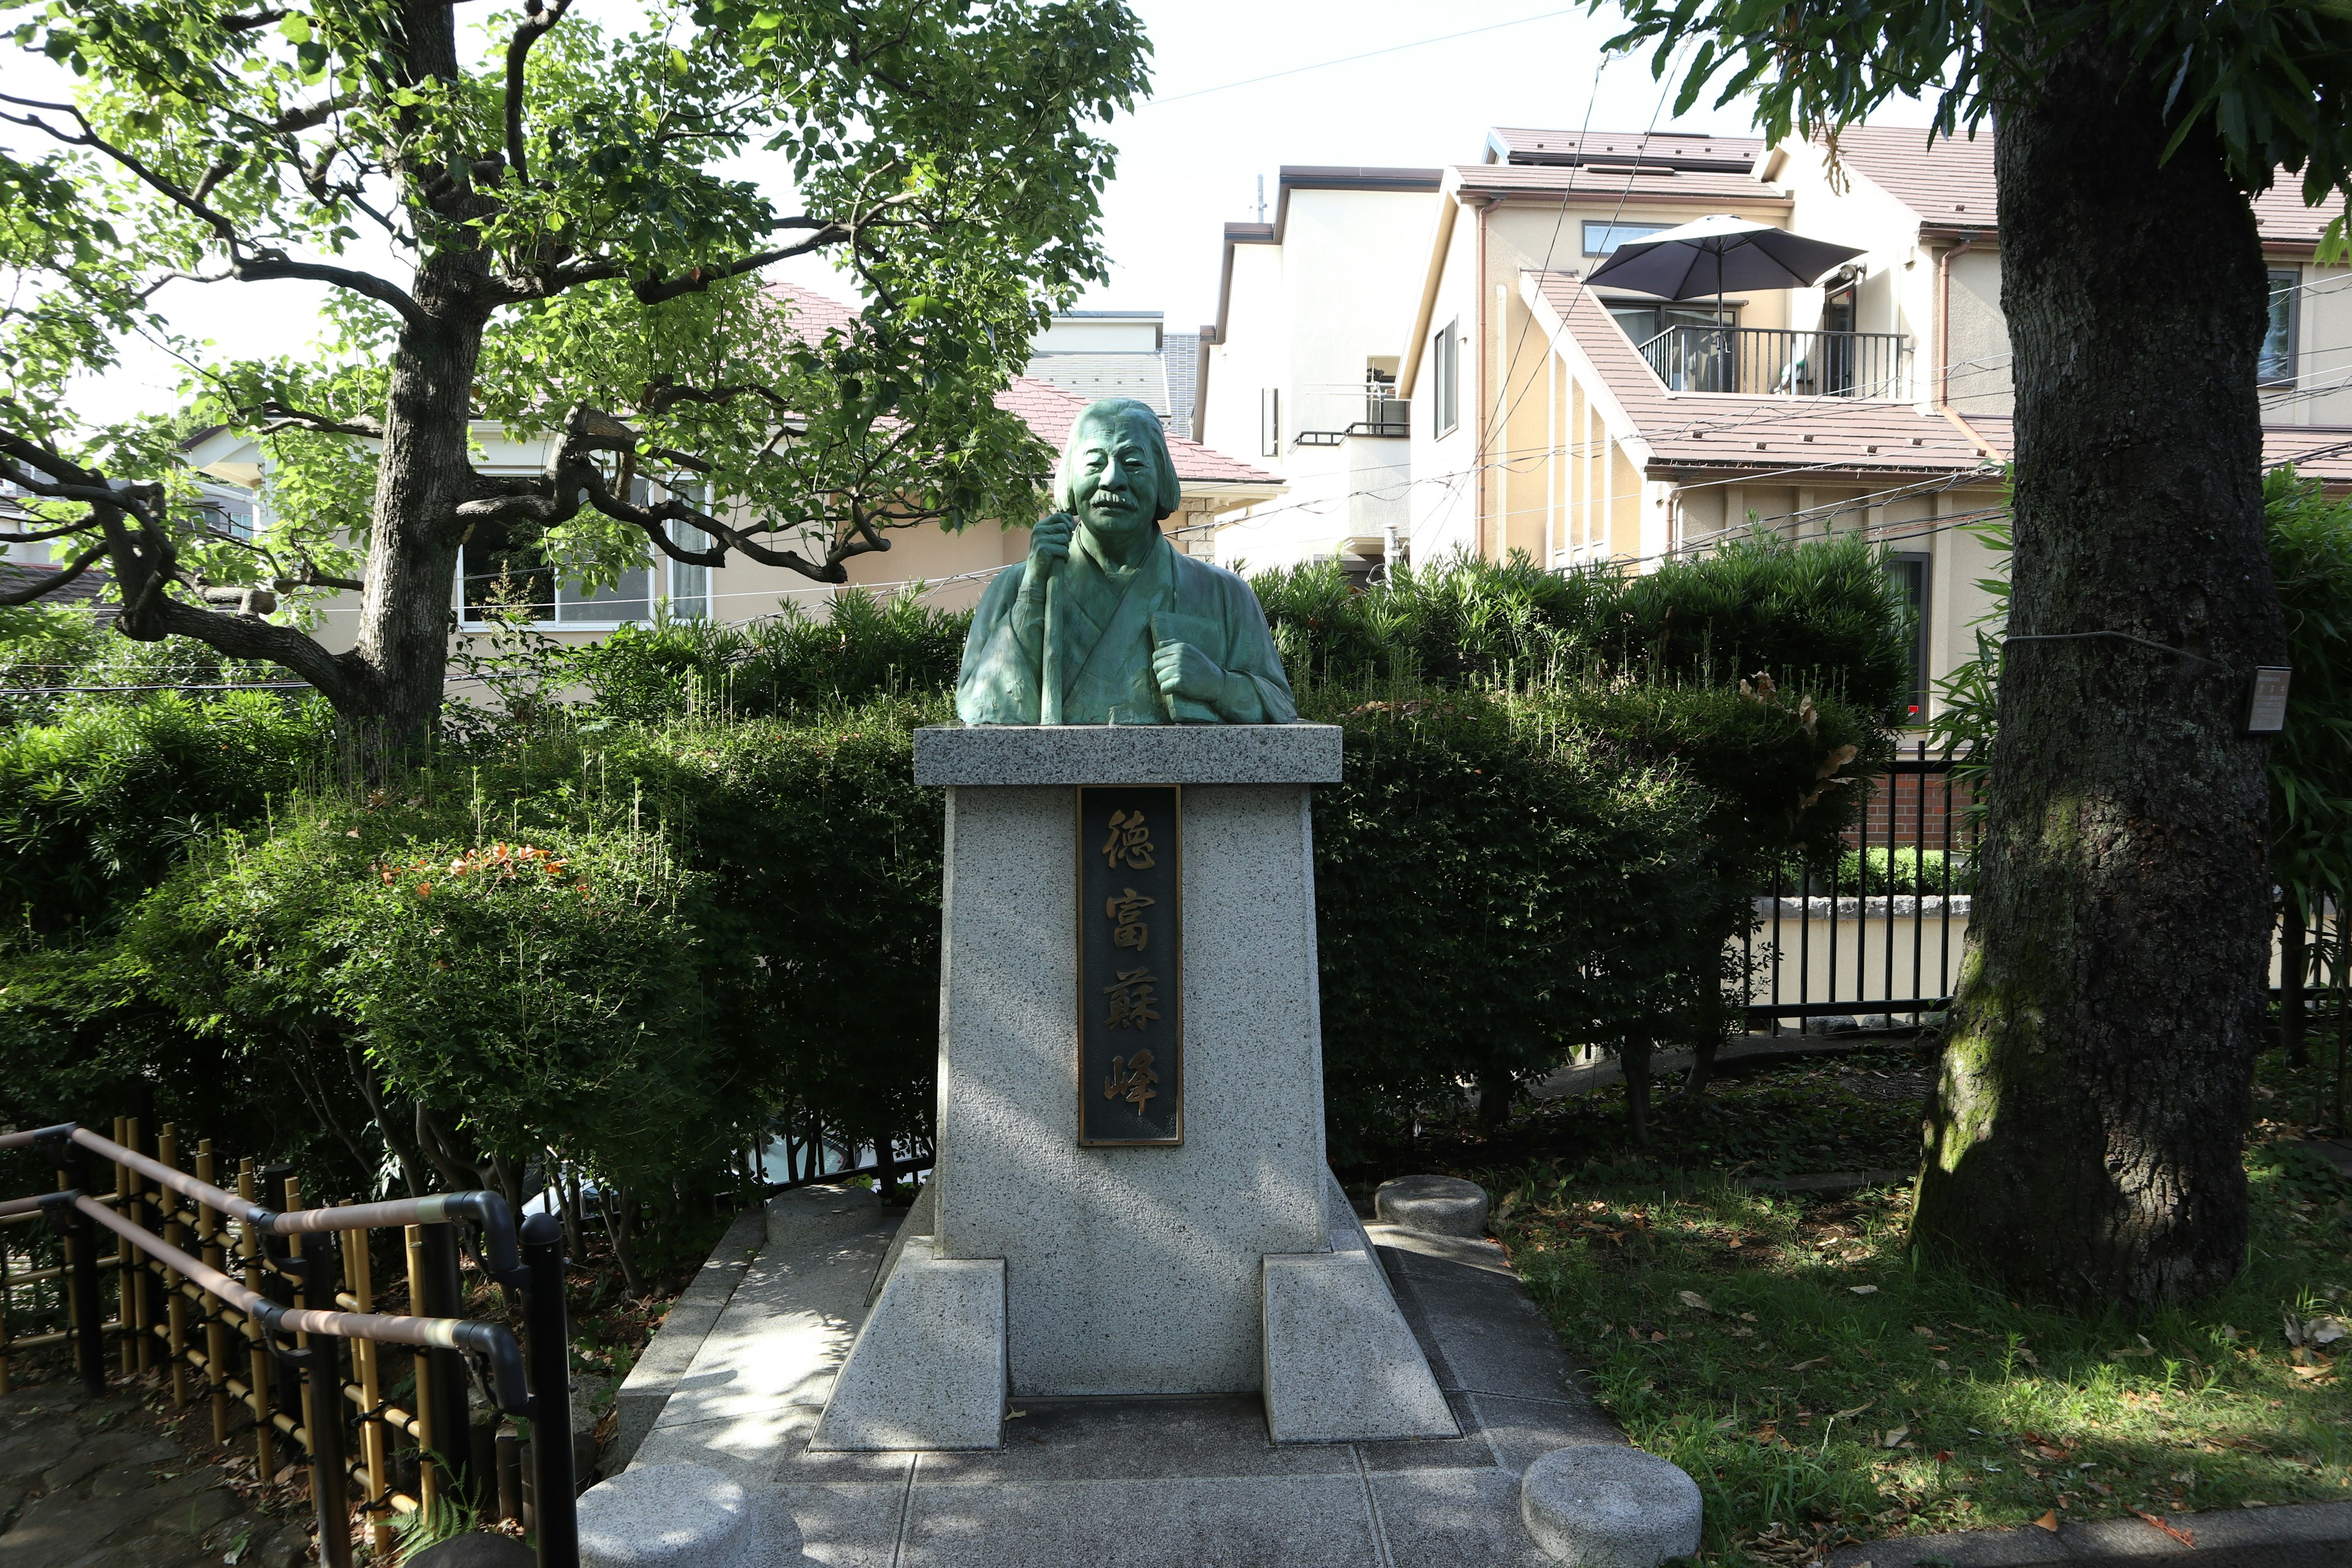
[(1584, 423), (1298, 372), (952, 569)]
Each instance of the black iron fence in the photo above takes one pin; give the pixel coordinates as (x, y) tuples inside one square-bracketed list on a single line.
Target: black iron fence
[(1877, 939), (197, 1273), (1764, 361), (1879, 934)]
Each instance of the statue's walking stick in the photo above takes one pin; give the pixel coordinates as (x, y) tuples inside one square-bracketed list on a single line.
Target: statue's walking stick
[(1049, 695)]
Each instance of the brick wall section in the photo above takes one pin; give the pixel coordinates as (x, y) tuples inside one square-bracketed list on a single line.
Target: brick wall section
[(1898, 800)]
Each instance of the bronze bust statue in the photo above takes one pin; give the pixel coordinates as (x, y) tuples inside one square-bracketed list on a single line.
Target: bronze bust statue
[(1106, 622)]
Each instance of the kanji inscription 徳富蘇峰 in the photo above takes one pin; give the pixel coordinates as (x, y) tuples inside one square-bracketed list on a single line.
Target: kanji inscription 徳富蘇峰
[(1130, 965)]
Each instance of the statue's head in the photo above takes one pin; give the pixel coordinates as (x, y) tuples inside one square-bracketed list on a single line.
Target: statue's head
[(1116, 475)]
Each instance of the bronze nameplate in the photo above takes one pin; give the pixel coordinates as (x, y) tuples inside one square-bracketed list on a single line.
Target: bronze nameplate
[(1130, 965)]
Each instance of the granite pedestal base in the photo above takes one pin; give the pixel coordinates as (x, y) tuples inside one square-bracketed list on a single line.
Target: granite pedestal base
[(1142, 1271)]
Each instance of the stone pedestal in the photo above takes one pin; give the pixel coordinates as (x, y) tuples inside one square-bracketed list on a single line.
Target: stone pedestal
[(1134, 1270)]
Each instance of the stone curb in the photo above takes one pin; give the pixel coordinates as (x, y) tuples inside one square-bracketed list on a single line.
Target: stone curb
[(672, 1349), (2113, 1540)]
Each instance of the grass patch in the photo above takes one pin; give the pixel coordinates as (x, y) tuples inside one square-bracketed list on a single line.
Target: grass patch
[(1822, 1385)]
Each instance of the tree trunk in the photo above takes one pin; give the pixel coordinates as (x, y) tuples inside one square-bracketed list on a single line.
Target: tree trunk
[(425, 473), (1494, 1100), (2295, 958), (1702, 1068), (1634, 1061), (2084, 1146)]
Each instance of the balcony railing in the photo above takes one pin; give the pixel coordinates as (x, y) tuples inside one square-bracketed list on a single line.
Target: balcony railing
[(1769, 360), (1383, 415)]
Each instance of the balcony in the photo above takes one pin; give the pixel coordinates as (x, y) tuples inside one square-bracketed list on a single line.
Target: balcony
[(1764, 361), (1385, 415)]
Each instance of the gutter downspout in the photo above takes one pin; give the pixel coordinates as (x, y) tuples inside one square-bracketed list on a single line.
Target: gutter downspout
[(1944, 352), (1486, 428), (1944, 321)]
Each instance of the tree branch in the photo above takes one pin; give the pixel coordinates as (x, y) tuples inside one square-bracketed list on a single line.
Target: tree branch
[(267, 265), (286, 416), (535, 27)]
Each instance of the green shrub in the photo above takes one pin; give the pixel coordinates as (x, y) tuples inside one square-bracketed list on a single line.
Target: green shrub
[(628, 947), (861, 648), (1492, 890), (97, 805), (1879, 872), (1822, 614)]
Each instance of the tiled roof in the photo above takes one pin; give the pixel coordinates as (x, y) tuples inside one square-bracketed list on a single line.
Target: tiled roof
[(1786, 436), (1682, 148), (1049, 409), (812, 309), (1950, 184), (1051, 412), (1718, 430), (1140, 375), (83, 591), (1613, 182), (2317, 451)]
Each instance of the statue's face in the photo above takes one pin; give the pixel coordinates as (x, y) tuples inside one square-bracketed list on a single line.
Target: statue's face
[(1114, 484)]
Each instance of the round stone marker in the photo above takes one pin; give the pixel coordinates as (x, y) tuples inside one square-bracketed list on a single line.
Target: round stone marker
[(1444, 1205), (655, 1516), (1600, 1506)]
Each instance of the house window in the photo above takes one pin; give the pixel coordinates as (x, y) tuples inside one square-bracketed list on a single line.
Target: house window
[(1269, 422), (1602, 238), (2278, 339), (689, 586), (511, 569), (1910, 574), (1445, 365)]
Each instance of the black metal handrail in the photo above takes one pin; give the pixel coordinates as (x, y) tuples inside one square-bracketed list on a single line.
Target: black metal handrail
[(530, 1379), (1767, 360), (486, 1210)]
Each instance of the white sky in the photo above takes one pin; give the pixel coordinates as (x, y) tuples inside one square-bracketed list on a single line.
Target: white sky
[(1189, 159)]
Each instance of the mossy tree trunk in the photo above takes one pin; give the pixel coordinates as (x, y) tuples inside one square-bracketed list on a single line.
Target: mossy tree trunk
[(2086, 1142)]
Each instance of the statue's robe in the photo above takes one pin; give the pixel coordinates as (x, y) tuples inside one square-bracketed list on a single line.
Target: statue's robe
[(1110, 630)]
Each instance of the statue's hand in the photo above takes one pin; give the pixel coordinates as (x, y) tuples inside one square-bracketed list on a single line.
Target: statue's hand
[(1049, 542), (1183, 671)]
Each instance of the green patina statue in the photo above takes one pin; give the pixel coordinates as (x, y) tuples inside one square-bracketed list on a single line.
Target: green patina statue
[(1106, 622)]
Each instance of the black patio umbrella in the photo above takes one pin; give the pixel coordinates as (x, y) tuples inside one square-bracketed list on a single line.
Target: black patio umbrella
[(1709, 255)]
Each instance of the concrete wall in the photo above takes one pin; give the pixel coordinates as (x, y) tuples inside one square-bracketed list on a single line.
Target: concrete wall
[(1976, 376), (1444, 505), (1307, 318)]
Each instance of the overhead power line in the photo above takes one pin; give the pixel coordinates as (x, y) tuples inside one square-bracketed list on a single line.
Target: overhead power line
[(1367, 54)]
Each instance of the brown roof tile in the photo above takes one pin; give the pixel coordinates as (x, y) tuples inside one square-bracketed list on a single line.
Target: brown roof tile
[(1950, 184), (1049, 410), (81, 593), (1704, 429), (2318, 451)]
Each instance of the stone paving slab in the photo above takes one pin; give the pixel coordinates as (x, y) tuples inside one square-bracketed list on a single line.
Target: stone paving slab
[(89, 1483), (1163, 1483), (646, 1389)]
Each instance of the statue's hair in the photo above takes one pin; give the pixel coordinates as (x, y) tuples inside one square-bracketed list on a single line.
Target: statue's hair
[(1165, 486)]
